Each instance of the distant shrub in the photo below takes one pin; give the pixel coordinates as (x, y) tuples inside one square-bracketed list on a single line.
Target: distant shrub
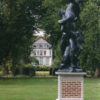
[(29, 71), (53, 70), (42, 68), (0, 67), (18, 70), (33, 60), (28, 65), (25, 69)]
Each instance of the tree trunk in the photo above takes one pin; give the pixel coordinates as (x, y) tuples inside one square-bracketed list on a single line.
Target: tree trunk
[(5, 69), (96, 73)]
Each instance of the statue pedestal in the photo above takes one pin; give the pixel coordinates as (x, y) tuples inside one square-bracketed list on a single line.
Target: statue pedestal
[(70, 85)]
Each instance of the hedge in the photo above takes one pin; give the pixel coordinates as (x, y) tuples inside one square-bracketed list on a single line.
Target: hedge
[(26, 69), (42, 68)]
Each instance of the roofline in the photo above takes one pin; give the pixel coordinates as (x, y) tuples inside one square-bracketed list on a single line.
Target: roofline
[(43, 39)]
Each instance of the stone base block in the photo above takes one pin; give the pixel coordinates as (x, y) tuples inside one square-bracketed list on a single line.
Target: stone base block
[(70, 86)]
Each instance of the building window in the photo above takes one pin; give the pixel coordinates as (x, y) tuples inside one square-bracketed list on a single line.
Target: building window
[(34, 46), (44, 53), (34, 53), (47, 61), (47, 46), (37, 52), (41, 53), (41, 61), (40, 45)]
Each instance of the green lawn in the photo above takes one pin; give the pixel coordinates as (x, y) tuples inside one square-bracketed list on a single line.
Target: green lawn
[(42, 89), (92, 89)]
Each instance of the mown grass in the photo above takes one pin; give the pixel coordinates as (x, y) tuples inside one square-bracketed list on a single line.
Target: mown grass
[(92, 89), (42, 89)]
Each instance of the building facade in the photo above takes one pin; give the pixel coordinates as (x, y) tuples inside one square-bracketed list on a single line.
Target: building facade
[(42, 51)]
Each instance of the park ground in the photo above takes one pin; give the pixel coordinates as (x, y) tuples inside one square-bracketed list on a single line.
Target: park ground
[(42, 89)]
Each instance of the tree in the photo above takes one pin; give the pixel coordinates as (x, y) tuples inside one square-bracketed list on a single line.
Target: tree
[(33, 60), (58, 56), (89, 24), (49, 19), (90, 17), (18, 20)]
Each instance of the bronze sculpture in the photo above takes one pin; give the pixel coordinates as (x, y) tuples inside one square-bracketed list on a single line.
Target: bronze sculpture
[(71, 39)]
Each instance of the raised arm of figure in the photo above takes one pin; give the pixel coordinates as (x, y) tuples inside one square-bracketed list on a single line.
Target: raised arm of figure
[(67, 14)]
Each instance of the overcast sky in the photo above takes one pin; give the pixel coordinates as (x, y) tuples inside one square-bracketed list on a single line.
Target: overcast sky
[(39, 32)]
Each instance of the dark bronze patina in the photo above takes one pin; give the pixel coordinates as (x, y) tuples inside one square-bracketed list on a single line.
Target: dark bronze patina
[(71, 39)]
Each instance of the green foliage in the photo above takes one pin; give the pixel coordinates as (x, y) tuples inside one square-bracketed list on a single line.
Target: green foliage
[(42, 68), (49, 19), (29, 71), (53, 70), (34, 60), (57, 60), (27, 65), (89, 24), (58, 56), (25, 69), (18, 20), (90, 20)]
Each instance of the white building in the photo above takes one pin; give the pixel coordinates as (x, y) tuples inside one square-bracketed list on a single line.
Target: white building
[(43, 52)]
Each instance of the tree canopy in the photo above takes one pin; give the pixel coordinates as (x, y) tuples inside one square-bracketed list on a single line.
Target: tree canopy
[(18, 20), (90, 25), (49, 18)]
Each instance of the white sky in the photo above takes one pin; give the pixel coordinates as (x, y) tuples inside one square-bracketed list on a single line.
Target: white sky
[(39, 32)]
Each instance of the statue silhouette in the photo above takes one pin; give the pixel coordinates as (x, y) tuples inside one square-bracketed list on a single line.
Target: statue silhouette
[(71, 40)]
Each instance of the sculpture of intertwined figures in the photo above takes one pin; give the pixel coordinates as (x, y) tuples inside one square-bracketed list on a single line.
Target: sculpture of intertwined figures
[(71, 39)]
